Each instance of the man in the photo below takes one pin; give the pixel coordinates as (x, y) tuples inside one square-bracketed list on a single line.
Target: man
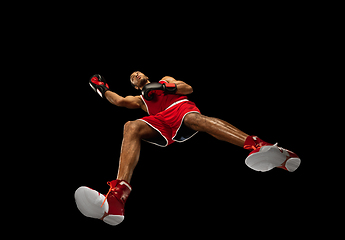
[(172, 118)]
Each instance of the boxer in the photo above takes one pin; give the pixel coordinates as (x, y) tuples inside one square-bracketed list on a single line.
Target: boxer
[(171, 118)]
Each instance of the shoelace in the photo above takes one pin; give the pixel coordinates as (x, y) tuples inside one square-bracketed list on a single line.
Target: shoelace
[(249, 147), (110, 189)]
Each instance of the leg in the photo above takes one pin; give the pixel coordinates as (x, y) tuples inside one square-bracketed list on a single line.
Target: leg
[(266, 157), (216, 127), (130, 151)]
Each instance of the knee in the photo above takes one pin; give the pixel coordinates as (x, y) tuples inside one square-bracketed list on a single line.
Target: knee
[(132, 128)]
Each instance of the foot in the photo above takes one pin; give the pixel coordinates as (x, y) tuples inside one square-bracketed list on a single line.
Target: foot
[(266, 156), (109, 208)]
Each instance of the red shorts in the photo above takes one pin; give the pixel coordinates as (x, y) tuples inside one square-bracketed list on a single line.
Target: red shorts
[(169, 124)]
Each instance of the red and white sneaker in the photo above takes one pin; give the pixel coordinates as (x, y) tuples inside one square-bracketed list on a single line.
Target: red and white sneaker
[(266, 156), (109, 208)]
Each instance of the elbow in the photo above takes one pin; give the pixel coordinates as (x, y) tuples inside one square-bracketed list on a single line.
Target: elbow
[(185, 91), (120, 102), (189, 89)]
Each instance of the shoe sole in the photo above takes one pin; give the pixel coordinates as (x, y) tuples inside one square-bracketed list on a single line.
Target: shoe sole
[(292, 164), (89, 204), (270, 157), (114, 219)]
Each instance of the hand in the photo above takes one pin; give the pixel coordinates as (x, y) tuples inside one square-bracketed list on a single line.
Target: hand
[(98, 84), (150, 89)]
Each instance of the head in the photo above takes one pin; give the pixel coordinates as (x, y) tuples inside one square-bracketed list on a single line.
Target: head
[(139, 80)]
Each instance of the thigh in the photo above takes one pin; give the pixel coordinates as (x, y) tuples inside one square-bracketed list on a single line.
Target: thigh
[(144, 130), (194, 121), (163, 135)]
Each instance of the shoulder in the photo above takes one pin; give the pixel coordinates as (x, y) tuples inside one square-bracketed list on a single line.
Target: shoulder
[(141, 103), (139, 99)]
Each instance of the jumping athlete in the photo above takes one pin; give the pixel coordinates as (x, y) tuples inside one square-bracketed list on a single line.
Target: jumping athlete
[(172, 118)]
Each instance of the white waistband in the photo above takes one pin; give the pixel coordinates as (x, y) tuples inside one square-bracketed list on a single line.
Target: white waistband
[(175, 103)]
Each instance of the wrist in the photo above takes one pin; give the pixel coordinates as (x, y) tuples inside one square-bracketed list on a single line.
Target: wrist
[(103, 89), (170, 88)]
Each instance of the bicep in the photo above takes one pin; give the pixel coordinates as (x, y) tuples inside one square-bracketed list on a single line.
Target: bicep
[(169, 79), (173, 80)]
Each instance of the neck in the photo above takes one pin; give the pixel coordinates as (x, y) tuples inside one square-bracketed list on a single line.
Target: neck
[(147, 82)]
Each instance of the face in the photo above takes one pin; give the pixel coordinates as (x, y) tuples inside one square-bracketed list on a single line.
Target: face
[(139, 79)]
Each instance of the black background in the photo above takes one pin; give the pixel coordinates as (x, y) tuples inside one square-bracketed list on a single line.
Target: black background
[(253, 74)]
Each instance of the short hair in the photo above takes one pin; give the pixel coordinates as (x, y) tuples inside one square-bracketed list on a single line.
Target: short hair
[(130, 79)]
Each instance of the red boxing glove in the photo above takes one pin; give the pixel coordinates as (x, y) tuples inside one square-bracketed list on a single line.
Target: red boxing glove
[(151, 94), (98, 84), (150, 89), (170, 88)]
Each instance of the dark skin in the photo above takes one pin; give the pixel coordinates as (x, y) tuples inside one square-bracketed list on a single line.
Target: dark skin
[(135, 131)]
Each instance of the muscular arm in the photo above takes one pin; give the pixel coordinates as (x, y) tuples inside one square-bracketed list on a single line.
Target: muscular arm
[(182, 87), (131, 102)]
